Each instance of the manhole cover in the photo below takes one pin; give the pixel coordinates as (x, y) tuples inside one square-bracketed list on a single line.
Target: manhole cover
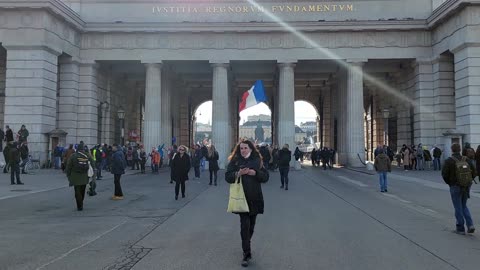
[(21, 190)]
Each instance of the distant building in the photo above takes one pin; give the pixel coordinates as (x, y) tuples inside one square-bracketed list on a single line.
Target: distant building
[(247, 130), (309, 127)]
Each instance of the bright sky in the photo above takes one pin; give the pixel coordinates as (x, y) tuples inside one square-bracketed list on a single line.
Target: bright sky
[(304, 112)]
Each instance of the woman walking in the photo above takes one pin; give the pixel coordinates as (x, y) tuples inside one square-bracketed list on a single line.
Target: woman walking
[(212, 158), (246, 162), (180, 167)]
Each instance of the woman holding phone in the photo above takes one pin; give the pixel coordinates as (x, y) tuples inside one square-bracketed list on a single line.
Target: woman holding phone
[(246, 162)]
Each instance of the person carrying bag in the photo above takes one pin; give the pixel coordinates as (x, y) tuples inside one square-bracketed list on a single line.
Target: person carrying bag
[(246, 172)]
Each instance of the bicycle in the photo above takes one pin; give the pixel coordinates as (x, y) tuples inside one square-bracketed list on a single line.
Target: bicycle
[(30, 165)]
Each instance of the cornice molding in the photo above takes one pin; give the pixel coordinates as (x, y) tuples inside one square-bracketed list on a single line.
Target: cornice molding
[(447, 10), (335, 26), (55, 7)]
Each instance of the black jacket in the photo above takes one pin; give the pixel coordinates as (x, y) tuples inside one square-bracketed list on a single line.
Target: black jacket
[(14, 156), (213, 162), (9, 136), (448, 170), (118, 162), (197, 158), (251, 184), (284, 158), (180, 167)]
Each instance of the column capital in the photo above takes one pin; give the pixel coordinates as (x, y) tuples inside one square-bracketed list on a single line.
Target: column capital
[(442, 58), (423, 61), (158, 65), (356, 61), (287, 63), (151, 61), (90, 63), (69, 60), (219, 63)]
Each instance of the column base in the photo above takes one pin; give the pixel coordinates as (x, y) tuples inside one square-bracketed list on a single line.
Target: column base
[(354, 161), (341, 159)]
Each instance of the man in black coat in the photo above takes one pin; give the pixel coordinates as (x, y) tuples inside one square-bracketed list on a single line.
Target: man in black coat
[(284, 158), (118, 168), (2, 137), (8, 134), (180, 166), (14, 159)]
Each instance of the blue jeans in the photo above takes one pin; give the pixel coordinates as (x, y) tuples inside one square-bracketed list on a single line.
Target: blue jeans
[(383, 180), (58, 162), (436, 164), (462, 214), (202, 164)]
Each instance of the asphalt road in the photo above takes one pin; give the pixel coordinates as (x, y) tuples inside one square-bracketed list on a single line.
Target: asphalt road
[(327, 220)]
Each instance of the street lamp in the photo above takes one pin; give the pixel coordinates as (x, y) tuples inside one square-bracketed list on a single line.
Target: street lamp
[(121, 116), (386, 116)]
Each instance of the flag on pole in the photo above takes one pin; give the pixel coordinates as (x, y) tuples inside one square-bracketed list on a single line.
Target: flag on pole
[(252, 97)]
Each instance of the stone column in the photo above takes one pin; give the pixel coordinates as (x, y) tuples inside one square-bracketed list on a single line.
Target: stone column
[(327, 116), (444, 97), (341, 116), (467, 92), (286, 108), (220, 111), (354, 115), (68, 98), (3, 73), (153, 106), (32, 72), (87, 129), (166, 114), (424, 125), (333, 115)]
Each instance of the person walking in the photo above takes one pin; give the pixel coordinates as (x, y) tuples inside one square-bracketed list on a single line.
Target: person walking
[(437, 153), (284, 158), (135, 159), (420, 158), (14, 160), (196, 160), (24, 156), (180, 167), (382, 166), (212, 158), (22, 134), (8, 134), (246, 162), (143, 160), (458, 173), (77, 173), (477, 159), (171, 155), (118, 168), (407, 161)]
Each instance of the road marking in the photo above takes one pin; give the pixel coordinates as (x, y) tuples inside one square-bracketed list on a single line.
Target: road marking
[(31, 192), (81, 246), (358, 183), (396, 197)]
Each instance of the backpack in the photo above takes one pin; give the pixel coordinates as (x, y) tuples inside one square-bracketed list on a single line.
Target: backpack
[(463, 174), (80, 163)]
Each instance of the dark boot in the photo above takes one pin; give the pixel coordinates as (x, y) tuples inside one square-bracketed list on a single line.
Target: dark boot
[(19, 183), (246, 258)]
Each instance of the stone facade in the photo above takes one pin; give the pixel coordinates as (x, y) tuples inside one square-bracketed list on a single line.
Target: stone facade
[(73, 64)]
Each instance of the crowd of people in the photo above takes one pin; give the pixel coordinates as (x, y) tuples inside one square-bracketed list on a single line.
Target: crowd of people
[(15, 152), (83, 166)]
